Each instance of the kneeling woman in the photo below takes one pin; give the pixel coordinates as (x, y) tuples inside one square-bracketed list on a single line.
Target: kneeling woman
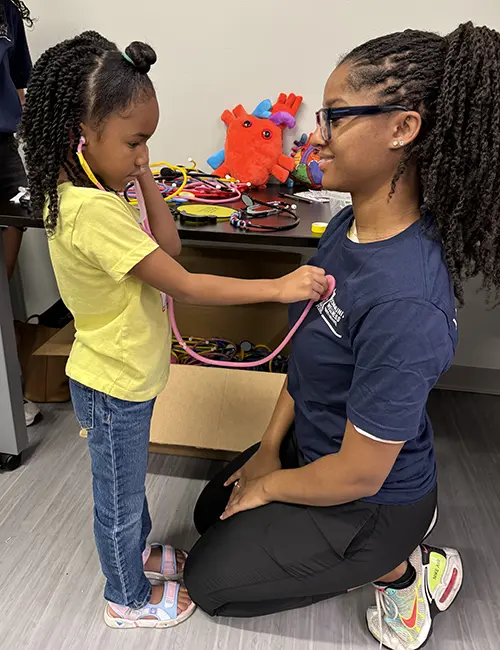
[(341, 491)]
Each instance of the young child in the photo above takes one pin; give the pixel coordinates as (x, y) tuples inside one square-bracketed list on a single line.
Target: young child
[(110, 275)]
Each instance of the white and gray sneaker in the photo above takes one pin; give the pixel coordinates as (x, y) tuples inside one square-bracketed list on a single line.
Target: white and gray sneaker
[(402, 618), (31, 413)]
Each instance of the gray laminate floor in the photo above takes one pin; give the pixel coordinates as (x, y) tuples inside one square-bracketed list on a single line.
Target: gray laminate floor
[(50, 584)]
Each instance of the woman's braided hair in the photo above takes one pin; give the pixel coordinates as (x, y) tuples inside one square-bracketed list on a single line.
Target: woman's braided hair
[(454, 83), (84, 79)]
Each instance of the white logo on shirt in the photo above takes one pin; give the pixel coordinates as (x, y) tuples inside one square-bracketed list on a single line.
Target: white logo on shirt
[(331, 313)]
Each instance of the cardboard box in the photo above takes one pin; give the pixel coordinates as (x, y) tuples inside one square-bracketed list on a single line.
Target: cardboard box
[(216, 412)]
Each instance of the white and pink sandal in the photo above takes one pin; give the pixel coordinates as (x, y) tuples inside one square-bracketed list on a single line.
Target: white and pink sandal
[(169, 568), (160, 616)]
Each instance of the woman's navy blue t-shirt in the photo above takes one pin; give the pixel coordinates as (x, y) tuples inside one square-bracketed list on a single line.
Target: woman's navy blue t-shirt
[(373, 351)]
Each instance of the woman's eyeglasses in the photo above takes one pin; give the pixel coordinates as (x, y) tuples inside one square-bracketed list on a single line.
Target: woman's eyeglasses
[(325, 116)]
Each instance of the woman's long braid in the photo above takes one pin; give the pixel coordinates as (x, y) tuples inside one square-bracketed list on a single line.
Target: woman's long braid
[(454, 82), (55, 107)]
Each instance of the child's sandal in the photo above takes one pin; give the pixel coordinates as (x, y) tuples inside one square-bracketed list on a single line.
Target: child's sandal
[(162, 615), (169, 569)]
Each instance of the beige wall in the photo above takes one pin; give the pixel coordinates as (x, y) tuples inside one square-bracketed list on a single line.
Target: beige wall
[(213, 55)]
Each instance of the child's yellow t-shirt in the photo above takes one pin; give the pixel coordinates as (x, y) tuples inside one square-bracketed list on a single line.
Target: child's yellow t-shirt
[(123, 339)]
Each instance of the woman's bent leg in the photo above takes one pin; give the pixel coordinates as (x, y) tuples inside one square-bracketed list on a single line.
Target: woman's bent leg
[(214, 498), (282, 556)]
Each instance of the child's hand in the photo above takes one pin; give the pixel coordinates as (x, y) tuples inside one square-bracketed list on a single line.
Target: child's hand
[(305, 283), (145, 169)]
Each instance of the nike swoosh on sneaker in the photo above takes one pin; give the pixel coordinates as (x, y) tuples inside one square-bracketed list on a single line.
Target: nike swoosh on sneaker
[(411, 622)]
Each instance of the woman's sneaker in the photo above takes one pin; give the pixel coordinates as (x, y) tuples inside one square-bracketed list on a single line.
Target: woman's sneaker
[(402, 619)]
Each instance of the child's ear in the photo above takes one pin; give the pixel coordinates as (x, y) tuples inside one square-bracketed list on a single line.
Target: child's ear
[(85, 132)]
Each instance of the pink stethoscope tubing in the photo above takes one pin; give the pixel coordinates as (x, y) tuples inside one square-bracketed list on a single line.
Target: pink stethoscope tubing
[(244, 364), (212, 362), (199, 186)]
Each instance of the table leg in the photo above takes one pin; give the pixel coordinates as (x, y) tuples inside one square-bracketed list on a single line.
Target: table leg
[(13, 433)]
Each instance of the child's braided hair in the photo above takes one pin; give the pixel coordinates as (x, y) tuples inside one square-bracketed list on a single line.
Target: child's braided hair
[(84, 79), (454, 83)]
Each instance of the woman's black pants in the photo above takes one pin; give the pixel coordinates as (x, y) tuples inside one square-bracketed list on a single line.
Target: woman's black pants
[(283, 556)]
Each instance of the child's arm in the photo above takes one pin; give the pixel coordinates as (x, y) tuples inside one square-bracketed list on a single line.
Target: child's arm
[(162, 272), (160, 218)]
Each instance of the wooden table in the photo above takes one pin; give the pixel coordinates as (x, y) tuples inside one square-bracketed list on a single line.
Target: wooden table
[(300, 237)]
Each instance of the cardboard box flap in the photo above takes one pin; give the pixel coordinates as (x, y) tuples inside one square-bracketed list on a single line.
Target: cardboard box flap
[(215, 408), (60, 344)]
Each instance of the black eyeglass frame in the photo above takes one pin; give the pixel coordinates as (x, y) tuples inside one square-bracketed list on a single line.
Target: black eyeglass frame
[(332, 114)]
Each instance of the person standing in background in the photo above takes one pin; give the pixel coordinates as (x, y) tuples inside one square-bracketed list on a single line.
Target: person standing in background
[(15, 68)]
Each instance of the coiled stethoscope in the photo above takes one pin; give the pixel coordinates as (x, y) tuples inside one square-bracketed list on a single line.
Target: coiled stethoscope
[(256, 209), (194, 214)]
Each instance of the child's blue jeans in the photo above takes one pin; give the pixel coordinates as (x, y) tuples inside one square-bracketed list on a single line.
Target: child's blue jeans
[(118, 438)]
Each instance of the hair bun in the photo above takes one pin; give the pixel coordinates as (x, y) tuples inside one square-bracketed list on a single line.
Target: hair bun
[(142, 55)]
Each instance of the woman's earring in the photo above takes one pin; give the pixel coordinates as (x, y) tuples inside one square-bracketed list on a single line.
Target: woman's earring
[(401, 143), (395, 143)]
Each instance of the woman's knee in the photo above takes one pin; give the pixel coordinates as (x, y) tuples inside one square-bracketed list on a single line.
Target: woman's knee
[(199, 578)]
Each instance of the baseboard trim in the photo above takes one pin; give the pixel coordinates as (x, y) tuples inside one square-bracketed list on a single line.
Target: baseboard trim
[(471, 380)]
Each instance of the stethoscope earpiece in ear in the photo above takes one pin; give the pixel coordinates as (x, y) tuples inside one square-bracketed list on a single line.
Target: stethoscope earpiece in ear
[(85, 166)]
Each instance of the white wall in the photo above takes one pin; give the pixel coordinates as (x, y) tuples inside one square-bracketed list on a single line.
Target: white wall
[(212, 55), (215, 55)]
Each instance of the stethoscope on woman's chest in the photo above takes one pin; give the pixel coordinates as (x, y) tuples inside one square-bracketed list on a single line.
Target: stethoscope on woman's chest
[(144, 224)]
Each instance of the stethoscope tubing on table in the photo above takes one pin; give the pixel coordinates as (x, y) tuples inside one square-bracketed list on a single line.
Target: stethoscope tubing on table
[(193, 190)]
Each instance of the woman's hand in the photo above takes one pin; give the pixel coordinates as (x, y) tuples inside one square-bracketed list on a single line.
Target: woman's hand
[(263, 462), (248, 487), (246, 497)]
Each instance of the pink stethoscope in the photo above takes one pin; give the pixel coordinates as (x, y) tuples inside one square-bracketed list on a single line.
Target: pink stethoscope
[(200, 192), (144, 224)]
